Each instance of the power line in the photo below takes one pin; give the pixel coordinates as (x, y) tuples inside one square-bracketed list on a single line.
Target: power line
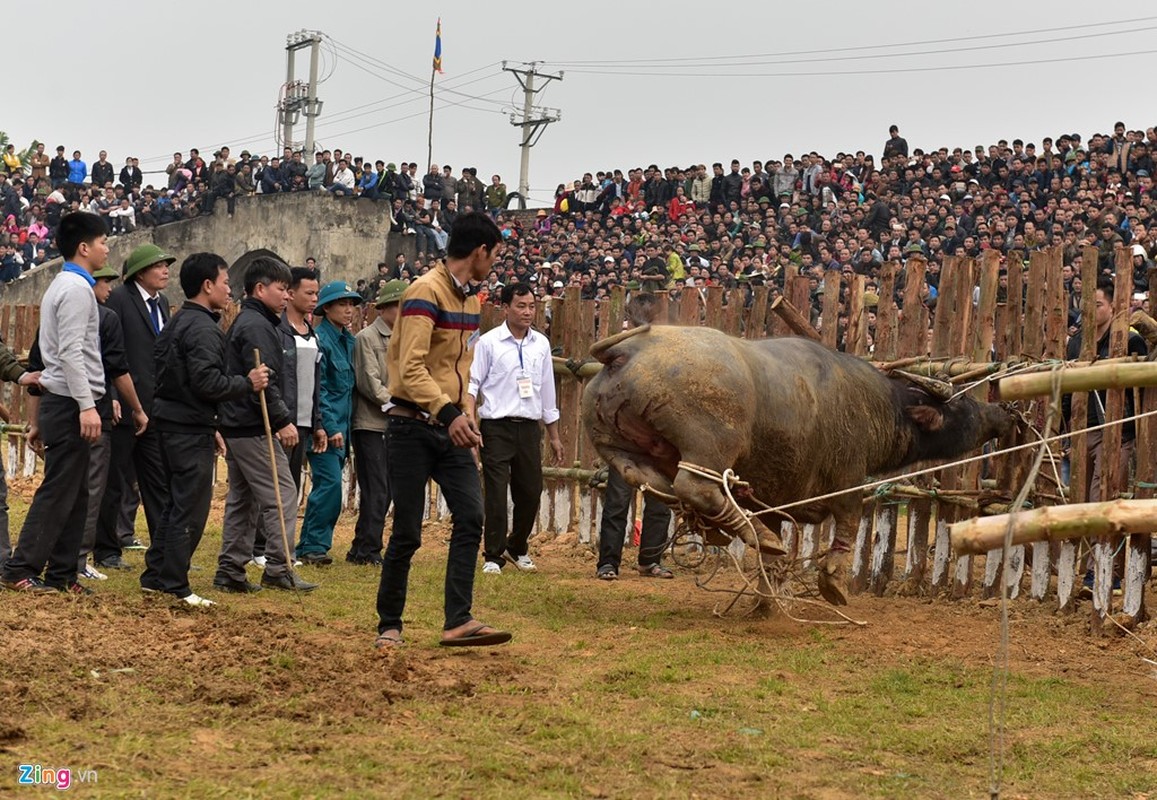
[(919, 43), (382, 65), (891, 71), (346, 114), (971, 48)]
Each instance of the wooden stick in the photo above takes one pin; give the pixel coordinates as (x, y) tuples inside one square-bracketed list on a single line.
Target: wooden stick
[(791, 317), (276, 482), (1055, 523), (1079, 379), (1146, 326)]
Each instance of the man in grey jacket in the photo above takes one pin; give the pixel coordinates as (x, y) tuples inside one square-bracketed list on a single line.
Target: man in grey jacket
[(369, 426), (73, 381)]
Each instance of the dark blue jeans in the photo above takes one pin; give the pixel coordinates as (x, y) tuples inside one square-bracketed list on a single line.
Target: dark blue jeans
[(415, 453)]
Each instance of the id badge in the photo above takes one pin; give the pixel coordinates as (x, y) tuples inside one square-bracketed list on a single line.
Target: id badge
[(473, 340), (525, 387)]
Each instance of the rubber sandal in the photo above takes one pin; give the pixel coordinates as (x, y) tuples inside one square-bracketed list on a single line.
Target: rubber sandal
[(387, 640), (655, 571), (607, 573), (474, 637)]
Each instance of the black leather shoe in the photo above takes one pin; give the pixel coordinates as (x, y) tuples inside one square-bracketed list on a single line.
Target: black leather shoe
[(316, 559), (235, 587), (287, 582), (372, 560), (113, 562)]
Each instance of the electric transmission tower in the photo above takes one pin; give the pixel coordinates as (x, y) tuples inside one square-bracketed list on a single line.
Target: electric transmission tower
[(297, 97), (534, 119)]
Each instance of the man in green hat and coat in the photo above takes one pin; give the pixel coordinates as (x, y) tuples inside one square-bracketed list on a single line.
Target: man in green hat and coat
[(143, 310), (369, 425), (335, 304)]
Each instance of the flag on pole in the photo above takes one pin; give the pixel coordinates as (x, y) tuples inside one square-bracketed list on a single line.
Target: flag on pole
[(438, 47)]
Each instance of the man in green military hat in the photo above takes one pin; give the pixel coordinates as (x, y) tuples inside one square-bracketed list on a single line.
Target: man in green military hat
[(369, 425), (143, 310), (335, 304)]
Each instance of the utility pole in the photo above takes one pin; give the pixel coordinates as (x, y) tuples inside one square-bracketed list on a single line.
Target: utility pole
[(297, 97), (534, 120)]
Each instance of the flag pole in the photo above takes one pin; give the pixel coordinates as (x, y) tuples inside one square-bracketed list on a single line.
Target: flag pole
[(436, 67), (430, 128)]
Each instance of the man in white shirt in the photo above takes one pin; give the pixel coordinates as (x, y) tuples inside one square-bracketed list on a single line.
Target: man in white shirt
[(343, 179), (513, 373)]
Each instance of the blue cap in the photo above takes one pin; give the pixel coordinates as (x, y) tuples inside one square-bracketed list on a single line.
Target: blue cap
[(337, 290)]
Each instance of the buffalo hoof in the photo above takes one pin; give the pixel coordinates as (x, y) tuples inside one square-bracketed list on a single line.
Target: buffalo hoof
[(717, 538), (833, 578)]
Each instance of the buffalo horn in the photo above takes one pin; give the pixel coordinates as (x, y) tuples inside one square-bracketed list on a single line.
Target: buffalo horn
[(599, 348), (941, 390)]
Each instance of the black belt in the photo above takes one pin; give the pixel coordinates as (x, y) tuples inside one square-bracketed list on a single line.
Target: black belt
[(511, 419)]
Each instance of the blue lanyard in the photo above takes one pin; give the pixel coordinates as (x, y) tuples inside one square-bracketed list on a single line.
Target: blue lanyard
[(521, 366)]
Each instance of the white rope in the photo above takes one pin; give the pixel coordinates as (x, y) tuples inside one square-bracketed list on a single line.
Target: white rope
[(948, 464)]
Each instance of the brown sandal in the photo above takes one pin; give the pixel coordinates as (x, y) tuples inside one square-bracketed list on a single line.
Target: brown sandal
[(655, 571)]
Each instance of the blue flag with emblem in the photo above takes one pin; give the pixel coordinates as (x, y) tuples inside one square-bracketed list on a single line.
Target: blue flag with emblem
[(438, 47)]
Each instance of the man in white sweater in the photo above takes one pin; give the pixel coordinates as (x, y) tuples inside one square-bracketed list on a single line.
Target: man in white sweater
[(72, 381)]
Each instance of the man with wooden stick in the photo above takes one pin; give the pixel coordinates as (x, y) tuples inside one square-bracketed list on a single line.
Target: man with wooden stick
[(1103, 321), (191, 382), (254, 482), (430, 436)]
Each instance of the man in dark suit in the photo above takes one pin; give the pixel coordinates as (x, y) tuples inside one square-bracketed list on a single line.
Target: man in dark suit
[(143, 312), (131, 176)]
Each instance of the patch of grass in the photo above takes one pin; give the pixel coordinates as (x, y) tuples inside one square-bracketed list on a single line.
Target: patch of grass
[(628, 689)]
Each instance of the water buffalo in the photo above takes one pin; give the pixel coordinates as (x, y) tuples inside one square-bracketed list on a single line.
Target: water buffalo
[(792, 418)]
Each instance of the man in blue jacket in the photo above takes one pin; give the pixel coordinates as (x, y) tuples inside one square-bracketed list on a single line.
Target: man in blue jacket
[(336, 303)]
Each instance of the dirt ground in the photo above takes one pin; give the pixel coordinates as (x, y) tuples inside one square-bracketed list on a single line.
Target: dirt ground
[(268, 696)]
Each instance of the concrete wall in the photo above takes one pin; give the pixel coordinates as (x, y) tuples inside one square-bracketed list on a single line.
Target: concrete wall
[(347, 236)]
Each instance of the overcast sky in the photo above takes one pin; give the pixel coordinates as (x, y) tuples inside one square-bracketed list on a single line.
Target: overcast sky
[(147, 78)]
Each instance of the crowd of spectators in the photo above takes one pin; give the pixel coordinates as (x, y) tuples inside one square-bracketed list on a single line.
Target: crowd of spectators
[(729, 224)]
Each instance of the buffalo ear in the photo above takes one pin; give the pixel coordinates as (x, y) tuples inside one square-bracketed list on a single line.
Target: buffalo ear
[(928, 418)]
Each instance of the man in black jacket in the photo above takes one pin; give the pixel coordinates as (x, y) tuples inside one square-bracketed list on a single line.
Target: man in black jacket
[(144, 313), (102, 171), (252, 481), (191, 381)]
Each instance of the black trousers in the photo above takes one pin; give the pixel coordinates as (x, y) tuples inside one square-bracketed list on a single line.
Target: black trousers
[(613, 527), (54, 526), (511, 459), (143, 453), (374, 485), (296, 461), (188, 462), (415, 453)]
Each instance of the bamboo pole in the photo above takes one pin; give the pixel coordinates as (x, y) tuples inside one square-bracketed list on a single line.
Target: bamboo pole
[(831, 313), (1054, 524), (1079, 379), (794, 320), (568, 473)]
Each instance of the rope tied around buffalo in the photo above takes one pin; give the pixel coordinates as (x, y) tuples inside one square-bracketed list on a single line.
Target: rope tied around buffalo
[(696, 525)]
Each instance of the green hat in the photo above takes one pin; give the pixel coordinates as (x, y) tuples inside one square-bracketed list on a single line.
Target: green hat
[(632, 286), (391, 293), (765, 199), (337, 290), (761, 242), (914, 248), (145, 256), (871, 299), (105, 273), (391, 167), (693, 248)]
